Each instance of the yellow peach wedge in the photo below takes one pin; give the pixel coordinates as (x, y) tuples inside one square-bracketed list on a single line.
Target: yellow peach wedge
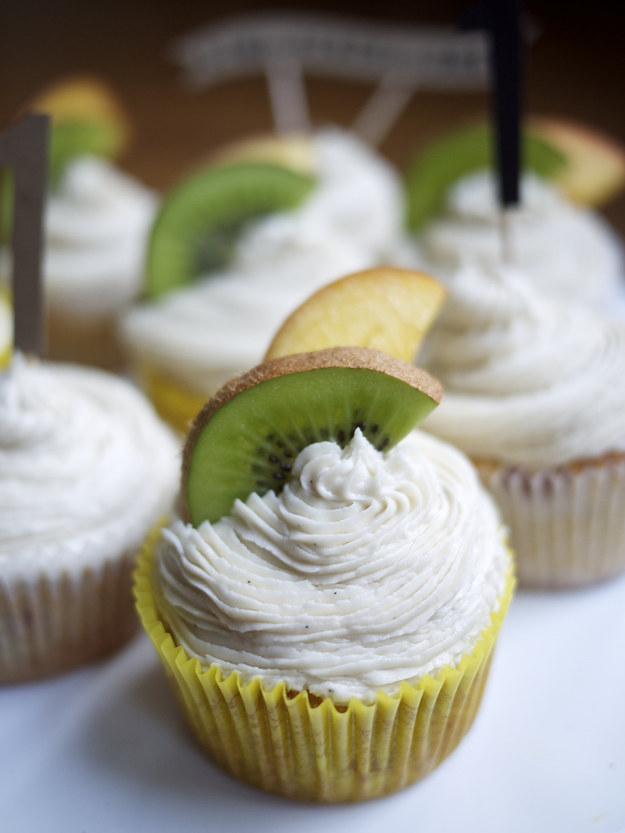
[(87, 116), (6, 327), (595, 163), (292, 151), (81, 98), (385, 308)]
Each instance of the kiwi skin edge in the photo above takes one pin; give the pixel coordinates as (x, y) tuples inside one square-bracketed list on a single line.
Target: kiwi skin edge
[(360, 358)]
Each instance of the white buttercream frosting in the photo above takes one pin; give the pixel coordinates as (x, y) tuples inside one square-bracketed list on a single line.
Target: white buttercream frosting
[(365, 570), (566, 250), (85, 468), (96, 226), (527, 380), (221, 325)]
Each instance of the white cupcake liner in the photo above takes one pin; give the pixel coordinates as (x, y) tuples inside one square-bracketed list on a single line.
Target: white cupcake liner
[(567, 524), (52, 623)]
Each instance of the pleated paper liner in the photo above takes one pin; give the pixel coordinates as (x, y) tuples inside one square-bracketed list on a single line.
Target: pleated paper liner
[(567, 524), (306, 747), (55, 622)]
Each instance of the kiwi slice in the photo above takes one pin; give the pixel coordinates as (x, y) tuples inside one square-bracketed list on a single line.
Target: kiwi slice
[(70, 139), (199, 222), (247, 436), (436, 168)]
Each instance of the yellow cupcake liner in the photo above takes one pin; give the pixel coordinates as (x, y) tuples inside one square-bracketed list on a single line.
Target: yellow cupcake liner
[(308, 748), (567, 524), (51, 623), (6, 327), (176, 404)]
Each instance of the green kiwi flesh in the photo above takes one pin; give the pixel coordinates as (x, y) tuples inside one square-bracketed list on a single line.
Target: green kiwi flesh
[(70, 139), (246, 438), (200, 220), (436, 168)]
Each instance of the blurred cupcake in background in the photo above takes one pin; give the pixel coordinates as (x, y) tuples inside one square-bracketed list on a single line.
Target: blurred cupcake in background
[(96, 223), (534, 396), (240, 243), (560, 240), (86, 470)]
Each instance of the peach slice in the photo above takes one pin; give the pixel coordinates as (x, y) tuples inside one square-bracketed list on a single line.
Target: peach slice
[(595, 164), (84, 98), (87, 117), (386, 308), (6, 327), (292, 151)]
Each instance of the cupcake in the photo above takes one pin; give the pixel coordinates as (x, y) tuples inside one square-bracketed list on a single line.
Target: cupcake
[(188, 340), (533, 395), (326, 611), (96, 226), (557, 236), (86, 469), (96, 222)]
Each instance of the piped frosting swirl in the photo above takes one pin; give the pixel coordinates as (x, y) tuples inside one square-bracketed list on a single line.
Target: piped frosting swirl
[(365, 570), (527, 380), (85, 466)]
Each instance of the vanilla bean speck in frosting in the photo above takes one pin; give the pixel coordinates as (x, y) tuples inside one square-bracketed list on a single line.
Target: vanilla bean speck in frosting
[(364, 571), (85, 467), (527, 380)]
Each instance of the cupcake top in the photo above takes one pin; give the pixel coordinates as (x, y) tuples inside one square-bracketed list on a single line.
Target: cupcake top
[(566, 250), (96, 225), (527, 380), (366, 570), (228, 317), (85, 466)]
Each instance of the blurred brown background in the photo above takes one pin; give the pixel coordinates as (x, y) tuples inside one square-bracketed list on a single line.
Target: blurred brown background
[(575, 68)]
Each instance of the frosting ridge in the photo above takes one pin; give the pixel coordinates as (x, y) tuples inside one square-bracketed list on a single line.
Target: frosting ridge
[(527, 380)]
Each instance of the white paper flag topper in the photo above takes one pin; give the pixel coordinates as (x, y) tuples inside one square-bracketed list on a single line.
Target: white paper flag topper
[(284, 47), (431, 57)]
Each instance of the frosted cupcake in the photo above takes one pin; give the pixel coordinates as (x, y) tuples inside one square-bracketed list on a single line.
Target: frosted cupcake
[(96, 226), (534, 396), (328, 641), (86, 470), (559, 239), (96, 221), (567, 251), (187, 343)]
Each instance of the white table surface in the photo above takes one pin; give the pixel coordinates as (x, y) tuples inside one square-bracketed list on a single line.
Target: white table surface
[(104, 750)]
